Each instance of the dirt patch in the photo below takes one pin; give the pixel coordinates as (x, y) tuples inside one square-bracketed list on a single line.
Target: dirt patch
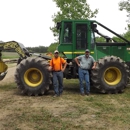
[(9, 78), (71, 111)]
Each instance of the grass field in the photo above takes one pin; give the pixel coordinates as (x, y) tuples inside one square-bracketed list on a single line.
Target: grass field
[(9, 55), (68, 112), (71, 111)]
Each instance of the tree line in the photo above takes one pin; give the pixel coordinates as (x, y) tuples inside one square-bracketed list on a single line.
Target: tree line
[(43, 49)]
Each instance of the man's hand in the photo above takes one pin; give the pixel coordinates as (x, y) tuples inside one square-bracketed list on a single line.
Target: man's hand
[(94, 66), (63, 70), (50, 68)]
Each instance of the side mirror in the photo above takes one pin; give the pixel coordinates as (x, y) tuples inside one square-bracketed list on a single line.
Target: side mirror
[(58, 26), (94, 27)]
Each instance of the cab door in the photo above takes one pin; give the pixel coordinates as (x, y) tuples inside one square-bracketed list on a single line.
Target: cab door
[(81, 36)]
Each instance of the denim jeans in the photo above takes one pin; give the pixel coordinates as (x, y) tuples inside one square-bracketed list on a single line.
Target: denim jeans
[(58, 82), (84, 75)]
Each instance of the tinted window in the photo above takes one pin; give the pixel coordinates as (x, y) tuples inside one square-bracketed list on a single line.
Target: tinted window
[(81, 36)]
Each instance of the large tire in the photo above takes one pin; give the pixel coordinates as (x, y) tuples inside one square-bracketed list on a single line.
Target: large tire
[(111, 75), (32, 76)]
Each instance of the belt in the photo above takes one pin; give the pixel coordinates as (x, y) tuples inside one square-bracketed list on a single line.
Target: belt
[(85, 69), (57, 71)]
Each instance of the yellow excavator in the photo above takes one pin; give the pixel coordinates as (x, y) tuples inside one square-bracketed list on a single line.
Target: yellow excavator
[(7, 46), (31, 76)]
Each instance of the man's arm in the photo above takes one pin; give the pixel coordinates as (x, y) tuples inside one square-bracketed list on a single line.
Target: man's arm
[(50, 67), (94, 65), (65, 64), (77, 61)]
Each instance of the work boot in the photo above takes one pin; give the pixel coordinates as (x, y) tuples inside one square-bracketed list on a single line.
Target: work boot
[(56, 95), (82, 94), (87, 94)]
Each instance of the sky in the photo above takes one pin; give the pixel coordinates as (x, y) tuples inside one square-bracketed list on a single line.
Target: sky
[(110, 15), (28, 21)]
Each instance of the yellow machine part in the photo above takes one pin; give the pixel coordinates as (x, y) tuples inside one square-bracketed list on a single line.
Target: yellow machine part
[(3, 66)]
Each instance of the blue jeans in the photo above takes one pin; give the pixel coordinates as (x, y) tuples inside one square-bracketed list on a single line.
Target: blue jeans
[(58, 82), (84, 75)]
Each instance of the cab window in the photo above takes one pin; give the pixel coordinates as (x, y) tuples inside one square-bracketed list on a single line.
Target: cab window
[(67, 36), (81, 36)]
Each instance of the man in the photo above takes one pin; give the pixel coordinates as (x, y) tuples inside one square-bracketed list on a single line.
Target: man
[(85, 63), (57, 66)]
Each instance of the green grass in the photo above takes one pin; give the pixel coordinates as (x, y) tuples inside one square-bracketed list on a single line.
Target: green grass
[(8, 87), (68, 112), (10, 55)]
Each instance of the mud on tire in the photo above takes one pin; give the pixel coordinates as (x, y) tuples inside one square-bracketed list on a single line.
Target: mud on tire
[(32, 76), (111, 75)]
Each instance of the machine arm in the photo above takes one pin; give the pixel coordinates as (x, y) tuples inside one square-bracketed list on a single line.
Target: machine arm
[(19, 48)]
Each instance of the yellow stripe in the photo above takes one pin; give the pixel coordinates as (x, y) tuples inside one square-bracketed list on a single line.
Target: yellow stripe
[(77, 52)]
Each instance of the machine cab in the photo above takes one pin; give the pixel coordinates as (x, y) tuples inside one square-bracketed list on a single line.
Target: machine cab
[(75, 37)]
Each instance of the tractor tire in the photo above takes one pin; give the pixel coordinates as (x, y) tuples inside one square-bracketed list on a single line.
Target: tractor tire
[(111, 75), (32, 76)]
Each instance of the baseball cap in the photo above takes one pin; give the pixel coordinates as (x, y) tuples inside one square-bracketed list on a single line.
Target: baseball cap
[(87, 50), (56, 51)]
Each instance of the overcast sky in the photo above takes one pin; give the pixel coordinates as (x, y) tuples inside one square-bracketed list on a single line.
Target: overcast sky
[(28, 21)]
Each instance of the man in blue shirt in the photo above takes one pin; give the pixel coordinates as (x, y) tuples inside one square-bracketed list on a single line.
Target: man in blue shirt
[(85, 63)]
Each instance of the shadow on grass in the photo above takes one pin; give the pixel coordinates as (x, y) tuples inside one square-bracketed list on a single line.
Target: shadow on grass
[(74, 88)]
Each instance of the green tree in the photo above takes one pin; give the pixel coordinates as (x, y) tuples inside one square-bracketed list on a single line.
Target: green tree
[(100, 39), (125, 5), (72, 9), (52, 47), (40, 49), (127, 35)]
